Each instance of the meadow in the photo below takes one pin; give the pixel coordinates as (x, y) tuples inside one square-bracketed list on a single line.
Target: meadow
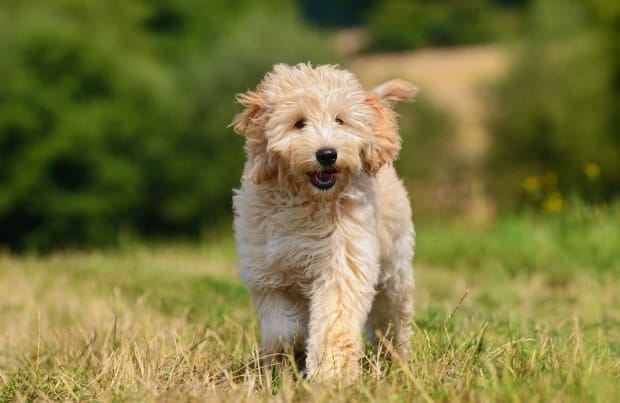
[(524, 309), (123, 131)]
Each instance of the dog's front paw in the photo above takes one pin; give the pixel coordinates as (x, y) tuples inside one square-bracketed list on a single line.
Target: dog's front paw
[(334, 373), (334, 364)]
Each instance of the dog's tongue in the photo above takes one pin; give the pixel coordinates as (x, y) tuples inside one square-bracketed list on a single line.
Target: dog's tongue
[(323, 176)]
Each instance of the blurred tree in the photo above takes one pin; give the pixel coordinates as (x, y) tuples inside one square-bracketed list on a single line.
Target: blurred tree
[(606, 16), (405, 24), (113, 114), (427, 131), (339, 13)]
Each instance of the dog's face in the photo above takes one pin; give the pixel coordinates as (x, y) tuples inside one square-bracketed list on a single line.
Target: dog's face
[(313, 129)]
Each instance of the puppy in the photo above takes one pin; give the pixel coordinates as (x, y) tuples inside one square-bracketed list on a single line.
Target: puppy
[(322, 223)]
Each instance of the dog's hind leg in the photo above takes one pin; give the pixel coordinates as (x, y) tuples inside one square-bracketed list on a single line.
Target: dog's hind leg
[(282, 324), (390, 318)]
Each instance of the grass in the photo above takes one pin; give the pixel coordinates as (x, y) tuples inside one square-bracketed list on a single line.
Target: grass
[(525, 310)]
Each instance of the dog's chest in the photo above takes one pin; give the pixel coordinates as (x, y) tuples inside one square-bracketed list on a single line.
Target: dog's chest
[(299, 241), (284, 242)]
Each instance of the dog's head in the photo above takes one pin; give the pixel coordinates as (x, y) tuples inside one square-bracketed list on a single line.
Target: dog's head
[(315, 128)]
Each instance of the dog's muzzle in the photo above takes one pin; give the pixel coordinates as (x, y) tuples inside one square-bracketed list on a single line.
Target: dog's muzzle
[(324, 179)]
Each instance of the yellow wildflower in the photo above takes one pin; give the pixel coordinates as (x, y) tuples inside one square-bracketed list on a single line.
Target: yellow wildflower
[(592, 170), (531, 184), (553, 204)]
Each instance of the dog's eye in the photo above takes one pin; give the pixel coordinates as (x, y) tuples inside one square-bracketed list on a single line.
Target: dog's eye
[(339, 121), (300, 124)]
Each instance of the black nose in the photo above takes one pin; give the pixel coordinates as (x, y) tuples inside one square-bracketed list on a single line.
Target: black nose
[(326, 156)]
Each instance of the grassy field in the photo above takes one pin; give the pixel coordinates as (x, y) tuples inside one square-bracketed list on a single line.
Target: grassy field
[(525, 310)]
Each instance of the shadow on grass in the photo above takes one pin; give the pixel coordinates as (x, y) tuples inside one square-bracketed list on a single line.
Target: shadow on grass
[(195, 296)]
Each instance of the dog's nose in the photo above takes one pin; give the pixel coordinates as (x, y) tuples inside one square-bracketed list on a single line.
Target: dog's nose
[(326, 156)]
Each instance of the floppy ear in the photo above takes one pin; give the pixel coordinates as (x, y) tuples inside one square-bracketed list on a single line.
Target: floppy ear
[(246, 122), (395, 90), (385, 143), (251, 123)]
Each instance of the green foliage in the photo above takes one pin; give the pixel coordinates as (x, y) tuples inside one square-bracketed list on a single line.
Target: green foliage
[(427, 131), (113, 114), (428, 159), (606, 17), (335, 12), (581, 237), (553, 116), (404, 24)]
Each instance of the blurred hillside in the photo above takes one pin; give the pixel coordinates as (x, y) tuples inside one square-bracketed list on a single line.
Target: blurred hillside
[(113, 115)]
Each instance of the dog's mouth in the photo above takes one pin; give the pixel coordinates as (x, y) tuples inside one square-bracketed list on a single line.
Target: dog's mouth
[(324, 179)]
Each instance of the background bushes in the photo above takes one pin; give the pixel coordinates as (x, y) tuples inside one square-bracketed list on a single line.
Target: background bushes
[(404, 24), (113, 114), (554, 118)]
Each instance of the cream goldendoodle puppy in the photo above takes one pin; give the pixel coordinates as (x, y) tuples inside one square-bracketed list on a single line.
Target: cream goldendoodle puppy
[(322, 223)]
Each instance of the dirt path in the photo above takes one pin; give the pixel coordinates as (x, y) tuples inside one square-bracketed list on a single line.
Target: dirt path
[(450, 77)]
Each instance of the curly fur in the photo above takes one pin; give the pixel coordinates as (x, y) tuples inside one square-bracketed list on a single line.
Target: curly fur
[(323, 264)]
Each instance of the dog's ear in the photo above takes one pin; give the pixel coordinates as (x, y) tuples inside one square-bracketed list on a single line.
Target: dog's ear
[(385, 143), (251, 123), (396, 90), (247, 122)]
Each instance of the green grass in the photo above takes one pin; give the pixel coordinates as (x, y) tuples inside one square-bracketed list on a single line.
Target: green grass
[(558, 245), (527, 309)]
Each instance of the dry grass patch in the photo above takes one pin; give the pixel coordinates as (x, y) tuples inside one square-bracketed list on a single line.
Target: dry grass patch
[(175, 324)]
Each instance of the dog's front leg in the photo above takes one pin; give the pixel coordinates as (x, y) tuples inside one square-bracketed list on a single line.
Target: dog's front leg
[(339, 306)]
